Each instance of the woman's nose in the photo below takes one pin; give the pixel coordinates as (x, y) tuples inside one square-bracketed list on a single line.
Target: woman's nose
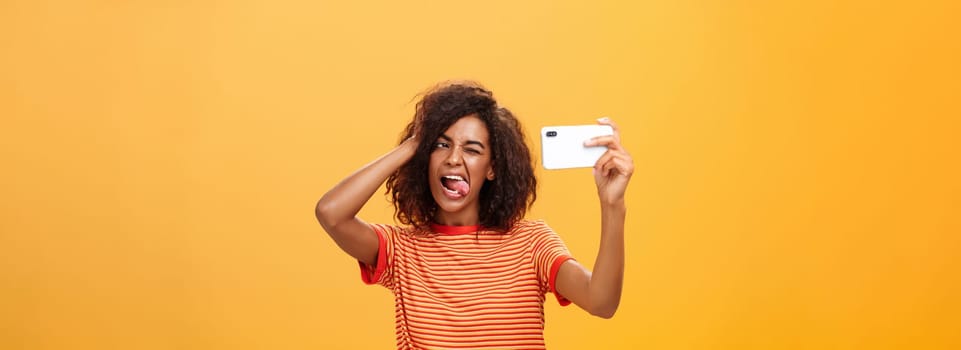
[(455, 156)]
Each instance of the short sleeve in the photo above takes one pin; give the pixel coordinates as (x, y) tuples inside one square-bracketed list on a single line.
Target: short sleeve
[(380, 272), (549, 253)]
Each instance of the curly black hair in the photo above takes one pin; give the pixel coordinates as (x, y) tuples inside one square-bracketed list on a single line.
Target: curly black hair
[(504, 200)]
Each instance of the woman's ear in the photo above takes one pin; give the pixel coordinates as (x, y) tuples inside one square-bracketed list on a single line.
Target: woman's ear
[(490, 174)]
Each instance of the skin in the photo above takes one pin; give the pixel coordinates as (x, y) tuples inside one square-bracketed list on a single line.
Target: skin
[(464, 150), (461, 150)]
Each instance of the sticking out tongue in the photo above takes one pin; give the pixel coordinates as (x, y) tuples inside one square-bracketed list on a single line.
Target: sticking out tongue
[(460, 186), (456, 185)]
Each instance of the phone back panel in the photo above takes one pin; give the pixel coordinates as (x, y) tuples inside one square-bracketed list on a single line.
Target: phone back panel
[(563, 146)]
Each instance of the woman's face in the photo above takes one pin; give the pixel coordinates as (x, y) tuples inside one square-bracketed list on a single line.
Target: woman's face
[(460, 162)]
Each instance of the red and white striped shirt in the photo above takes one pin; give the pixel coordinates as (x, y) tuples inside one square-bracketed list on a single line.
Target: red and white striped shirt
[(457, 287)]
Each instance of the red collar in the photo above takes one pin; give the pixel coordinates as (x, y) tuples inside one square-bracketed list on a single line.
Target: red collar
[(454, 230)]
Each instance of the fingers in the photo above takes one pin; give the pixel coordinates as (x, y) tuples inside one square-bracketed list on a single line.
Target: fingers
[(608, 141), (602, 166), (614, 160), (608, 121)]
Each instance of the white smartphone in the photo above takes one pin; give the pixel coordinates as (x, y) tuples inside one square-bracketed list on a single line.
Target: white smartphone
[(562, 147)]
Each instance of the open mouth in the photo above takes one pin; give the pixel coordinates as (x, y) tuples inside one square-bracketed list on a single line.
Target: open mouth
[(455, 185)]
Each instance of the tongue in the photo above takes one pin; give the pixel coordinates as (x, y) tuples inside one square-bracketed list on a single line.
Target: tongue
[(460, 186)]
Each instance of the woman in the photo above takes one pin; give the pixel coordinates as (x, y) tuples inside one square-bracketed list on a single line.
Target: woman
[(466, 269)]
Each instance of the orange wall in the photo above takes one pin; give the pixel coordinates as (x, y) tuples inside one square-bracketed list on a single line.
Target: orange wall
[(797, 186)]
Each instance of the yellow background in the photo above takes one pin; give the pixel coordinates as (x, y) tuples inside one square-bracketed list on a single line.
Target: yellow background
[(797, 184)]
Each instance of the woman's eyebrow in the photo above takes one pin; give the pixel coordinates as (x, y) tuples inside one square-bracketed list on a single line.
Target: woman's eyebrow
[(469, 142)]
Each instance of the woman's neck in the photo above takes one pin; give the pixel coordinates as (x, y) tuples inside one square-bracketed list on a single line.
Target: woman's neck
[(456, 219)]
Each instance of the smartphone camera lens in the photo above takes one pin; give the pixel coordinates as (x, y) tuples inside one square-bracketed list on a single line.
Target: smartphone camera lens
[(551, 133)]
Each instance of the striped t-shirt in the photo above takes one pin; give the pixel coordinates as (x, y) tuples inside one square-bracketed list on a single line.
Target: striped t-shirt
[(455, 287)]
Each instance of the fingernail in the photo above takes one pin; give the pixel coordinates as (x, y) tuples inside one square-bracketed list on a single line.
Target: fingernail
[(603, 119)]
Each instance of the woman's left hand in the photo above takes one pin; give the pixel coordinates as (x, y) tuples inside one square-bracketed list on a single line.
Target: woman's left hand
[(613, 170)]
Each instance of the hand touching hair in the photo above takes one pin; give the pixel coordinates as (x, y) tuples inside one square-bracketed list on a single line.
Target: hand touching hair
[(504, 200)]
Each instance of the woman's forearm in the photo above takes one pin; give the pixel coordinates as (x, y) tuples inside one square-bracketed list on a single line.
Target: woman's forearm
[(337, 209), (607, 278)]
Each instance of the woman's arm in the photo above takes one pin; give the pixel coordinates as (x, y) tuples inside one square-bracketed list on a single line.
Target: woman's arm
[(337, 209), (599, 292)]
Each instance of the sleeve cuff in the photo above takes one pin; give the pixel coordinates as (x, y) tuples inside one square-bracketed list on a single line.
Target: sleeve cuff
[(372, 274), (555, 267)]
